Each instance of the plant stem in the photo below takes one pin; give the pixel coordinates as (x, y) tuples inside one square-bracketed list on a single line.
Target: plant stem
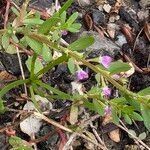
[(45, 40)]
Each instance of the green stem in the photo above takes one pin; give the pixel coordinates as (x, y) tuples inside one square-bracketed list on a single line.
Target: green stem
[(61, 94), (12, 85), (50, 65), (74, 55), (33, 66), (33, 99)]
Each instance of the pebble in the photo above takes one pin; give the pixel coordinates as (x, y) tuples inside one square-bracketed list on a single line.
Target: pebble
[(84, 3), (111, 29), (98, 17), (107, 8), (121, 39)]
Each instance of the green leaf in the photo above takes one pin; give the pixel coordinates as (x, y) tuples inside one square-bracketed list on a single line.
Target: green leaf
[(118, 66), (46, 53), (120, 100), (2, 107), (127, 109), (65, 6), (81, 43), (63, 17), (98, 79), (38, 65), (144, 92), (136, 116), (145, 111), (5, 40), (127, 119), (115, 116), (54, 90), (72, 18), (33, 21), (35, 45), (11, 49), (89, 105), (18, 143), (74, 27), (56, 35), (71, 65), (48, 24), (15, 39), (98, 107)]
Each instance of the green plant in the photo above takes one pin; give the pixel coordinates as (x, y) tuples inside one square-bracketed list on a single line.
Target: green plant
[(43, 38)]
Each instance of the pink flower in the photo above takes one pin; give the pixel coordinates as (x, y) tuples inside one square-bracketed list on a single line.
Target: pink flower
[(106, 91), (82, 75), (106, 61), (64, 32), (115, 76), (108, 110)]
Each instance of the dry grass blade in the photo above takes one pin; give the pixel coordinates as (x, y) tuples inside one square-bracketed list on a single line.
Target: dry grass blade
[(147, 30)]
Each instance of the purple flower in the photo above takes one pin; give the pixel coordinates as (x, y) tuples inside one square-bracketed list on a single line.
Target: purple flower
[(106, 61), (108, 110), (64, 32), (115, 76), (106, 91), (82, 75)]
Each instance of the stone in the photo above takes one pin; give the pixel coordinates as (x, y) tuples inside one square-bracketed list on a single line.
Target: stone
[(107, 8), (98, 17)]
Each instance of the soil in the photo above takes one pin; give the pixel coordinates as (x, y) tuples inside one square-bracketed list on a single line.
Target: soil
[(61, 78)]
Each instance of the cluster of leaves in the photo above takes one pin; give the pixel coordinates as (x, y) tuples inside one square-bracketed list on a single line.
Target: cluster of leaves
[(28, 30)]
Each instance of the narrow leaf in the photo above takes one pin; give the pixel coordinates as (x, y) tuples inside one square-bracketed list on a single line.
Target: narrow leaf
[(65, 6), (127, 119), (98, 107), (72, 18), (48, 24), (35, 45), (145, 111), (33, 21), (81, 43), (118, 66), (71, 65), (5, 40), (136, 116), (46, 53), (38, 65), (144, 92)]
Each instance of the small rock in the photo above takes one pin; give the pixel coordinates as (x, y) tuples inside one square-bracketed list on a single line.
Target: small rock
[(121, 39), (84, 3), (143, 14), (98, 17), (100, 7), (115, 135), (144, 3), (111, 29), (107, 8), (112, 19)]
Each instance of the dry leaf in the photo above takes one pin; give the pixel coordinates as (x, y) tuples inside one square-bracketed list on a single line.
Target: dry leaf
[(88, 21), (107, 119), (4, 75), (73, 114), (128, 34), (115, 135), (147, 30)]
